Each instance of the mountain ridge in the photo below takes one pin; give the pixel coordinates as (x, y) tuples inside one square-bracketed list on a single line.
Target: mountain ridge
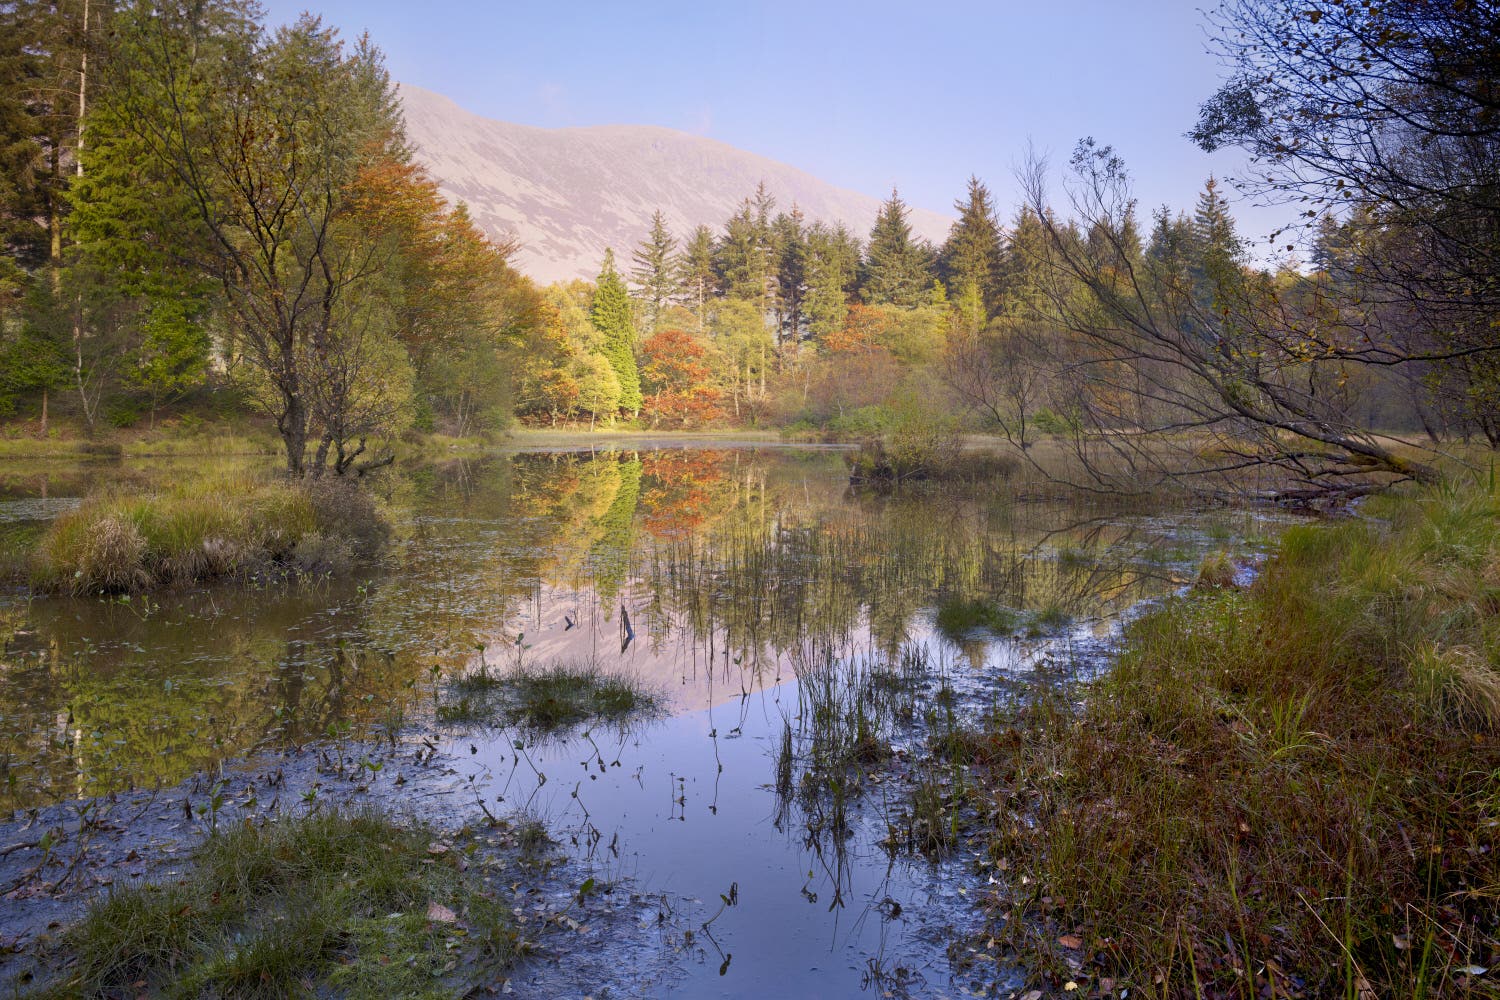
[(568, 193)]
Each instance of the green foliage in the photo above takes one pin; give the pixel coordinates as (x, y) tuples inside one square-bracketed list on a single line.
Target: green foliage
[(897, 268), (972, 254), (655, 271), (351, 901), (611, 317)]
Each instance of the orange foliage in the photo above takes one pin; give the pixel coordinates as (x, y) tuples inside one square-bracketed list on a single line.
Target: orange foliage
[(453, 269), (676, 380), (863, 331), (677, 492)]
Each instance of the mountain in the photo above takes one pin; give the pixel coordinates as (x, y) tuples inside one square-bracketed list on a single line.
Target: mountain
[(568, 193)]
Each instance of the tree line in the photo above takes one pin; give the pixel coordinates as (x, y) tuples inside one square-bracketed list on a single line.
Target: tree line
[(197, 207)]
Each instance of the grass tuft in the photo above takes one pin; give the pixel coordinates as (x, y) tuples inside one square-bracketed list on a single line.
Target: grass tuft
[(545, 698), (345, 901), (204, 530)]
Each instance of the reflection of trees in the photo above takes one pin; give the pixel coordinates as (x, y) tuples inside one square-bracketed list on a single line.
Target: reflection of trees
[(748, 557), (166, 697)]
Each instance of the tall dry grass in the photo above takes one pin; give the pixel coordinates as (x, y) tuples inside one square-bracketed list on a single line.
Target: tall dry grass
[(224, 525), (1288, 791)]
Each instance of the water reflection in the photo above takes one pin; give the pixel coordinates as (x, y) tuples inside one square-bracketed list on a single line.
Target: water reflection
[(726, 562), (803, 638)]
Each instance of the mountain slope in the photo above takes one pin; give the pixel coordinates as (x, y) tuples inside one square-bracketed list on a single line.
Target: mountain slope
[(566, 194)]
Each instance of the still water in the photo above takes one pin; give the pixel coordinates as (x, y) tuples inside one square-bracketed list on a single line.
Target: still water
[(756, 596)]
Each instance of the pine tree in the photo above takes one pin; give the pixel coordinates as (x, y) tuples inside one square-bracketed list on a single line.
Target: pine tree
[(789, 241), (971, 254), (611, 317), (1023, 265), (898, 268), (655, 271), (832, 263), (695, 273), (742, 255)]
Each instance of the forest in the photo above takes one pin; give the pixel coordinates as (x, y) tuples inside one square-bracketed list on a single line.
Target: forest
[(206, 216)]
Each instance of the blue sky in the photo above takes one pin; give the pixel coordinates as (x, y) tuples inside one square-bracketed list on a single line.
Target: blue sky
[(865, 95)]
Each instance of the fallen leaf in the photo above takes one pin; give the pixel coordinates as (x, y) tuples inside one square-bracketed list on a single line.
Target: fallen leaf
[(441, 914), (1072, 941), (1033, 995)]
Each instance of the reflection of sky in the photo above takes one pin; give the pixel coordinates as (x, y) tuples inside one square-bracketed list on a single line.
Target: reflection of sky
[(718, 555)]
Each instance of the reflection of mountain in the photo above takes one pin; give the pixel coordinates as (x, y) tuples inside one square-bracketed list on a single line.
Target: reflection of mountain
[(566, 194)]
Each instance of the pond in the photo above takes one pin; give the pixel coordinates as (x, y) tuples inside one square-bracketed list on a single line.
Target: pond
[(771, 612)]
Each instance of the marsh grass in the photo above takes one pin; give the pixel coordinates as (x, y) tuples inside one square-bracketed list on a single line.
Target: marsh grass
[(546, 698), (1290, 790), (221, 526), (962, 618), (351, 903)]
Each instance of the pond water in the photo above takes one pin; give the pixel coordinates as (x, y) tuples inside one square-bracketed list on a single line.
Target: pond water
[(759, 599)]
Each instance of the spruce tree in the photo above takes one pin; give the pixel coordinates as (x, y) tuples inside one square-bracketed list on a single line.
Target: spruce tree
[(695, 273), (611, 317), (898, 268), (655, 271), (742, 255), (789, 239), (830, 270), (971, 254)]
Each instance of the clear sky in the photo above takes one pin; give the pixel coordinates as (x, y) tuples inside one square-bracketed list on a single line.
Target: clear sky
[(865, 95)]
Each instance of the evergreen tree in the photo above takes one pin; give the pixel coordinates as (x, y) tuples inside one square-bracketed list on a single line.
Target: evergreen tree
[(972, 252), (742, 255), (789, 240), (1217, 252), (655, 271), (695, 273), (611, 317), (898, 268), (830, 271), (1023, 265)]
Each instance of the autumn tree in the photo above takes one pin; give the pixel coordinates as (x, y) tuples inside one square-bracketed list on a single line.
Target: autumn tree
[(677, 380)]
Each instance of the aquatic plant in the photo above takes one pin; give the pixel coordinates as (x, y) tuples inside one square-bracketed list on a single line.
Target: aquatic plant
[(545, 697)]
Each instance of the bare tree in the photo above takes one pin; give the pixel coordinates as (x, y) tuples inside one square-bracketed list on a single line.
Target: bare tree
[(1203, 369)]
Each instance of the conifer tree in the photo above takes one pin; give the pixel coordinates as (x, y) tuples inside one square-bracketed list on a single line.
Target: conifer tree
[(742, 255), (832, 263), (898, 268), (655, 271), (971, 254), (790, 245), (695, 273), (611, 317)]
